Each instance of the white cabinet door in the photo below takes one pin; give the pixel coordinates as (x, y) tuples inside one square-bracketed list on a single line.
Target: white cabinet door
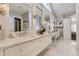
[(30, 48), (1, 52), (45, 41)]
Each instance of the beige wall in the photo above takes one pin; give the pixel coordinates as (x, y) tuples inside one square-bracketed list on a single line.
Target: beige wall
[(4, 26), (4, 22)]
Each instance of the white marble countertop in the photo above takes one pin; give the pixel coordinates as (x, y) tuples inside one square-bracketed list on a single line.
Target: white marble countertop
[(9, 42)]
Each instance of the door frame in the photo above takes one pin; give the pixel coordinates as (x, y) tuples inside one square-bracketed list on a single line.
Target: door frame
[(19, 19)]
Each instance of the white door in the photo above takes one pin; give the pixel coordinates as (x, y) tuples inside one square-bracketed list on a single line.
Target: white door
[(67, 29)]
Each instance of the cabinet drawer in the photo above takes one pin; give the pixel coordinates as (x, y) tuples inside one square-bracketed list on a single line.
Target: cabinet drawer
[(49, 40), (1, 52), (24, 49), (45, 41)]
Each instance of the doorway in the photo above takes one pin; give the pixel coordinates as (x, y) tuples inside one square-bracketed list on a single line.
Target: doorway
[(17, 24), (67, 29), (73, 28)]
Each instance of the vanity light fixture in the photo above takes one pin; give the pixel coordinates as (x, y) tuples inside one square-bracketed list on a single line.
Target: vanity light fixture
[(3, 8)]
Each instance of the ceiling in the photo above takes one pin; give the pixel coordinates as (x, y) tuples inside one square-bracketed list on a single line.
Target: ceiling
[(61, 9), (20, 8)]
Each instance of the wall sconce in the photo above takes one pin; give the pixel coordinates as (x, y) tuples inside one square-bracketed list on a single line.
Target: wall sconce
[(3, 8)]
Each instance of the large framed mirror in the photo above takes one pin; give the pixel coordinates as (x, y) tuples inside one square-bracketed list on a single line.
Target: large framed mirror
[(47, 20), (20, 14)]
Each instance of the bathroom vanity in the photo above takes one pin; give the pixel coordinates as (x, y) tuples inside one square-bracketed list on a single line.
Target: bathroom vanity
[(30, 45)]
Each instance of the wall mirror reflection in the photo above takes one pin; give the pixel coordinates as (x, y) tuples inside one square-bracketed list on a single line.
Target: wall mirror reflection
[(20, 17), (38, 18), (47, 20)]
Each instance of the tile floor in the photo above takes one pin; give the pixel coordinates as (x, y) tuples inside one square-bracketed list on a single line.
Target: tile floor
[(62, 47)]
